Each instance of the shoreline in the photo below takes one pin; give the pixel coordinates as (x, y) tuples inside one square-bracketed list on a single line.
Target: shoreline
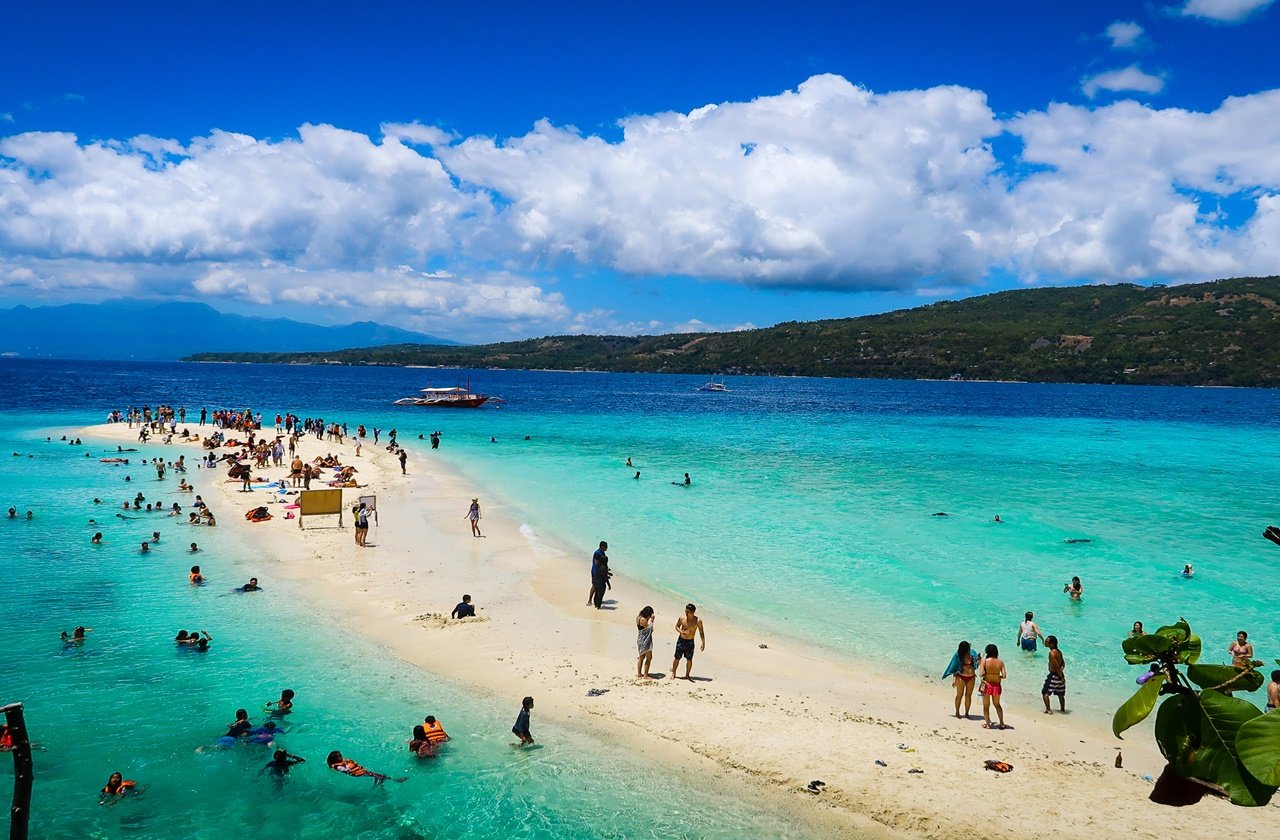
[(752, 722)]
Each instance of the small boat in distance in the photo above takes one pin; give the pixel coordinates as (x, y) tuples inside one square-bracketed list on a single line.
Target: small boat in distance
[(458, 397), (715, 387)]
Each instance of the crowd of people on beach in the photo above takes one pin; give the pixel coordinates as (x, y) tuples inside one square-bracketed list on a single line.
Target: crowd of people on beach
[(239, 436), (248, 449)]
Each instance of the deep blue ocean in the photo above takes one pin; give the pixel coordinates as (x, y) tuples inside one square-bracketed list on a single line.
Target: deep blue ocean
[(809, 514)]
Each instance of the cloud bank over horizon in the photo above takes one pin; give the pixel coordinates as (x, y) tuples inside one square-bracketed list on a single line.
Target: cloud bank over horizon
[(827, 186)]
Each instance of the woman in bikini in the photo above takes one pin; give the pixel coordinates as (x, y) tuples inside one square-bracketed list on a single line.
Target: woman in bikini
[(993, 676), (964, 679), (1241, 651)]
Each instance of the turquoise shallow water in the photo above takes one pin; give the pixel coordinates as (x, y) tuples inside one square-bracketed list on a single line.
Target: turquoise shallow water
[(809, 516), (128, 699)]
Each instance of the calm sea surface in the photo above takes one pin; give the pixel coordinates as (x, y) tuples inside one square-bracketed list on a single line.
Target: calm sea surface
[(809, 516)]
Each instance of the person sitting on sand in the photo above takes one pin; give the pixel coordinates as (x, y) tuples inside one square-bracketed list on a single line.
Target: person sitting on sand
[(117, 787), (993, 677), (463, 609), (351, 768)]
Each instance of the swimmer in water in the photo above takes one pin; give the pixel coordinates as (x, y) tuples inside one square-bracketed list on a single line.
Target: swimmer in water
[(687, 481), (146, 548), (195, 576), (251, 586), (280, 763), (1075, 589), (283, 706), (241, 726), (345, 765), (629, 462), (194, 549), (1187, 571), (637, 475), (998, 519), (76, 636), (155, 536), (97, 538), (116, 788)]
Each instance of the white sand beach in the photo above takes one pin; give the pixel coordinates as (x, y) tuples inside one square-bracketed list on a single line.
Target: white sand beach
[(765, 713)]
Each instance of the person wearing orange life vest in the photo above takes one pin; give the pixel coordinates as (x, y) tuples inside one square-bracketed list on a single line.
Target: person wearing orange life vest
[(435, 730), (117, 786)]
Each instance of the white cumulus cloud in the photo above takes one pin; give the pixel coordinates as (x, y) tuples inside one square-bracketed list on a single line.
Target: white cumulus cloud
[(1223, 11), (1126, 79), (1124, 34), (828, 185)]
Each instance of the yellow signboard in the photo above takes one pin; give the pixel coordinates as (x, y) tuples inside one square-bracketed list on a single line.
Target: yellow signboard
[(319, 503)]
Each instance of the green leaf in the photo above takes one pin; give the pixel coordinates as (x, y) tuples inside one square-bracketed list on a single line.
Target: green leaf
[(1178, 730), (1136, 708), (1212, 676), (1189, 651), (1179, 631), (1215, 760), (1258, 746), (1138, 658), (1145, 645)]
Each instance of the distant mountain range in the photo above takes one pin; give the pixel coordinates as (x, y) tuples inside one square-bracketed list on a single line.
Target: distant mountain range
[(147, 331), (1226, 332)]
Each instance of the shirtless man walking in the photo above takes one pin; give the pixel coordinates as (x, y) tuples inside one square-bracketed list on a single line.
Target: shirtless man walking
[(1056, 681), (687, 625)]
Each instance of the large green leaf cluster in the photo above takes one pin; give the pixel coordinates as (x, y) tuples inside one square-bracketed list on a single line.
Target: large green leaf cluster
[(1209, 736)]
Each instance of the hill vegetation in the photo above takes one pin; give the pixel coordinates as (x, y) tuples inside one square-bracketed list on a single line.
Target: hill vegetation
[(1225, 332)]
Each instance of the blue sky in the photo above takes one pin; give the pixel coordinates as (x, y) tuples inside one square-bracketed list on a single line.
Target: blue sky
[(493, 171)]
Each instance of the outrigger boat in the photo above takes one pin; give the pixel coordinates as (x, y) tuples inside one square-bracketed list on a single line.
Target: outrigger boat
[(458, 397)]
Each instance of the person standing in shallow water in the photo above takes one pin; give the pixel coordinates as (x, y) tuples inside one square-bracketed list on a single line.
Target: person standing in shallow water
[(1028, 632), (1056, 681), (473, 514), (993, 677)]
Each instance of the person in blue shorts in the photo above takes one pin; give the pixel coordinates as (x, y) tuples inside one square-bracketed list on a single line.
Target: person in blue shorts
[(1028, 632)]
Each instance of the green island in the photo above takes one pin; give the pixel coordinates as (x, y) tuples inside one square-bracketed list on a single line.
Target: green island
[(1224, 333)]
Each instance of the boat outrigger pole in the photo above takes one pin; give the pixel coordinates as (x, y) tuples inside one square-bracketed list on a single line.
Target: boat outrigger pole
[(23, 772)]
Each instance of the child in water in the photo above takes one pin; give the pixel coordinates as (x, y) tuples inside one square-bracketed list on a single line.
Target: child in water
[(351, 768)]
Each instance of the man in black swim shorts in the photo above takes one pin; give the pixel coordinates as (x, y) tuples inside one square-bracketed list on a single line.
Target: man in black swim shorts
[(687, 625)]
